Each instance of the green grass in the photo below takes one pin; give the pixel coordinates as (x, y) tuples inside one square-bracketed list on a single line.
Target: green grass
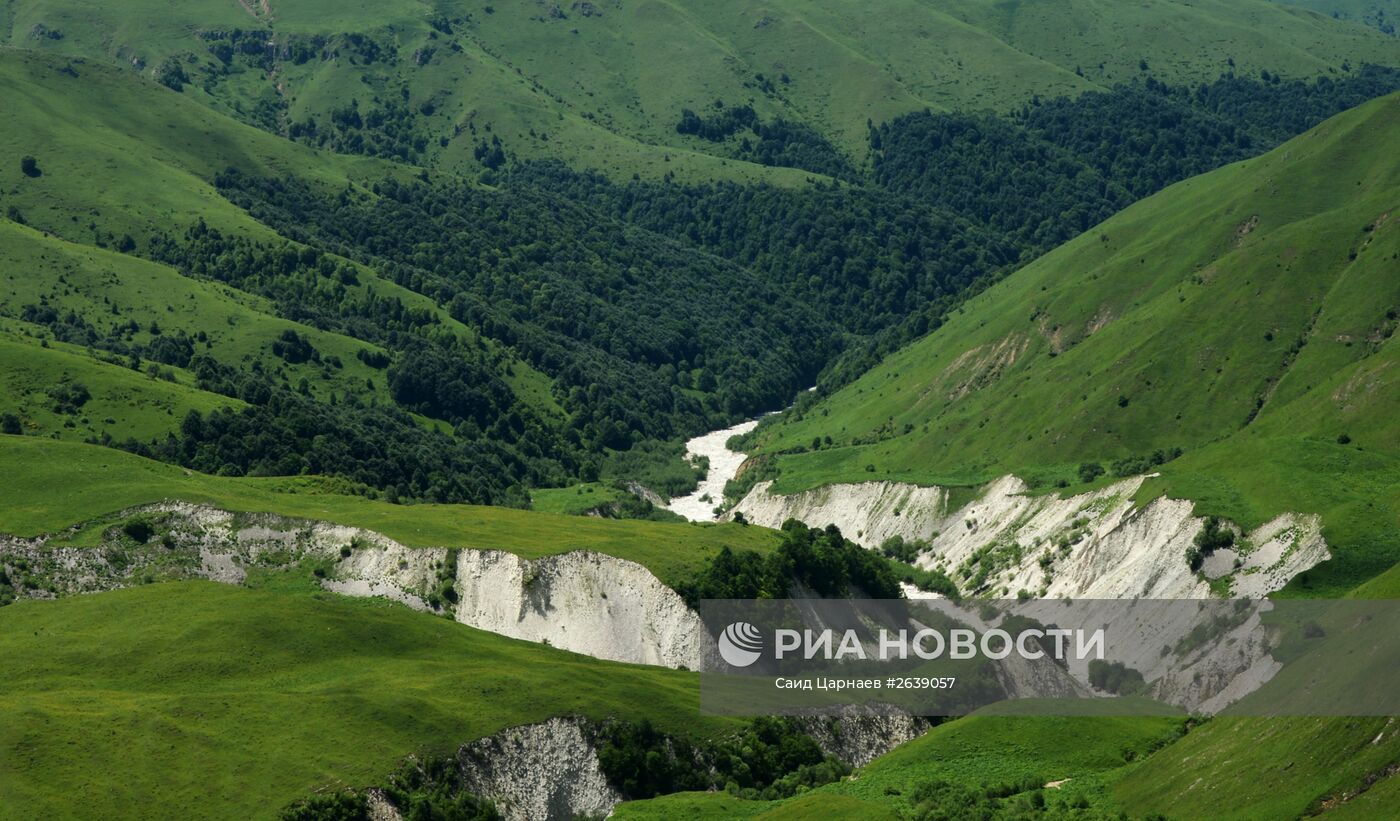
[(987, 750), (605, 90), (120, 155), (1262, 768), (53, 485), (575, 500), (819, 806), (1360, 11), (700, 806), (1265, 286), (125, 403), (200, 700)]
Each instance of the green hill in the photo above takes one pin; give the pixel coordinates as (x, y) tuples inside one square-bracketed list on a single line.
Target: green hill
[(55, 485), (1245, 316), (596, 84), (993, 767), (1382, 14), (409, 342), (201, 700)]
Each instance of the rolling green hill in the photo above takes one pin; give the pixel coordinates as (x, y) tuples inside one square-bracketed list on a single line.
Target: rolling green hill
[(995, 767), (1381, 14), (1245, 316), (155, 263), (206, 701), (602, 85), (55, 485)]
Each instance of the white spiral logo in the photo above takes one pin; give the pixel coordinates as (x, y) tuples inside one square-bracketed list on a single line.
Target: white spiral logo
[(740, 644)]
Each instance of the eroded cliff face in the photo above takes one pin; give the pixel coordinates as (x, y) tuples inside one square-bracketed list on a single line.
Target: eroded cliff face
[(867, 513), (858, 738), (1100, 545), (585, 602), (539, 771), (1097, 545)]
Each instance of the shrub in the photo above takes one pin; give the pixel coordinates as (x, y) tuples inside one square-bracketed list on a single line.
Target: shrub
[(140, 529), (341, 806), (1115, 677), (1089, 471), (29, 166), (68, 396)]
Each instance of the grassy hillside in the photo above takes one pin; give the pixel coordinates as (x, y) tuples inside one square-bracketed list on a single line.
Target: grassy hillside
[(118, 231), (1100, 768), (57, 484), (982, 764), (1382, 14), (1245, 316), (602, 85), (1276, 768), (119, 156), (201, 700)]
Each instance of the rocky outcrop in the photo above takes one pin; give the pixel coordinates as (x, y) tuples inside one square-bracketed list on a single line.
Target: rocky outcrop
[(1094, 545), (539, 771), (586, 602), (867, 513), (858, 738), (1011, 542)]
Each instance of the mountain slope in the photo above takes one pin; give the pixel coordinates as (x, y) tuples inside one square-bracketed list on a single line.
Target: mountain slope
[(1248, 311), (1382, 14), (528, 336), (208, 701), (596, 84), (59, 485)]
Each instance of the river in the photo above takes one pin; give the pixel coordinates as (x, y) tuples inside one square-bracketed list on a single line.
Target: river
[(724, 465)]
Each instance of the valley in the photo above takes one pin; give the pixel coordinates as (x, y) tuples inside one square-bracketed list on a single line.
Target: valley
[(385, 386)]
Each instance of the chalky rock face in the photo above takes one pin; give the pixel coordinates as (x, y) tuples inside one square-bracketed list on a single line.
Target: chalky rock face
[(1096, 545), (539, 771), (1099, 545), (585, 602), (867, 513)]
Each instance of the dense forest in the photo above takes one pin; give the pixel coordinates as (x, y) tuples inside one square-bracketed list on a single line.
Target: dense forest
[(778, 143), (657, 310), (644, 337), (1059, 166), (952, 201)]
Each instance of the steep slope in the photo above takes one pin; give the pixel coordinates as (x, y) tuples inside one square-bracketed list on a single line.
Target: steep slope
[(595, 83), (526, 337), (1245, 316)]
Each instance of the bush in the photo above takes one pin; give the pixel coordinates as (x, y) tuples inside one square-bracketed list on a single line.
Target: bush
[(68, 396), (772, 758), (1089, 471), (140, 529), (171, 74), (29, 167), (819, 559), (341, 806), (1212, 537), (1115, 677)]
